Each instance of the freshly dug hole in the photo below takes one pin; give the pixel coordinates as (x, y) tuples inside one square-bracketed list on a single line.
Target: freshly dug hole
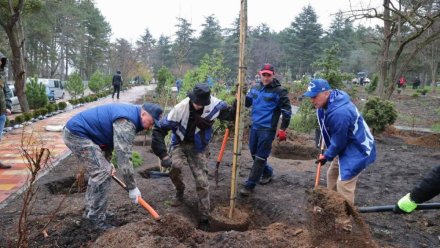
[(220, 220)]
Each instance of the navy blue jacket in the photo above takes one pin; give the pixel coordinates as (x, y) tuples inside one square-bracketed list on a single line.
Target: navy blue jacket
[(268, 102), (96, 123)]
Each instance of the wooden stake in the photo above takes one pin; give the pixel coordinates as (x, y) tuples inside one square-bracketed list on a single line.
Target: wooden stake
[(238, 135)]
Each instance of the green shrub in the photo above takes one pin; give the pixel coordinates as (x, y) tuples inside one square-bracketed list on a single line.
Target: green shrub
[(8, 122), (97, 82), (304, 120), (373, 84), (27, 116), (43, 111), (36, 113), (379, 114), (55, 106), (62, 105), (18, 119), (136, 159), (423, 91), (36, 94), (415, 95), (436, 127), (74, 85)]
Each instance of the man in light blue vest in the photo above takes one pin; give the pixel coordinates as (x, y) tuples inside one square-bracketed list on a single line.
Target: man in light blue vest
[(92, 135)]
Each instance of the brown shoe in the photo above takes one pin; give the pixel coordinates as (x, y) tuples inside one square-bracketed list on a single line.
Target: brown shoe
[(4, 166)]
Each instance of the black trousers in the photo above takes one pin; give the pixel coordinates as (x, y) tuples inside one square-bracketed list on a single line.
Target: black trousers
[(116, 89)]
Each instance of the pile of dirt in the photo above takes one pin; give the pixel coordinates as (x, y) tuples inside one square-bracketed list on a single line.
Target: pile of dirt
[(330, 217), (297, 147), (430, 140)]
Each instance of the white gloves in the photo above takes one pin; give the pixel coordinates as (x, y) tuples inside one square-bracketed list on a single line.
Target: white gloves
[(133, 194)]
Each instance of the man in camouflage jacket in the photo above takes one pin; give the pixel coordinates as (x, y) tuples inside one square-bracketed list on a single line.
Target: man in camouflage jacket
[(5, 100), (92, 135)]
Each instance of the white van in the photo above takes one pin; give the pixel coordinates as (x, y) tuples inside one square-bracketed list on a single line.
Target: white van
[(55, 85)]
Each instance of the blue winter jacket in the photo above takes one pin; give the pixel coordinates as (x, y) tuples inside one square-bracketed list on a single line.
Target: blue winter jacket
[(96, 123), (346, 135), (268, 103)]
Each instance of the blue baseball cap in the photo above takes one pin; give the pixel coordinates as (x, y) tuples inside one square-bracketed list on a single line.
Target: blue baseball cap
[(316, 86), (154, 110)]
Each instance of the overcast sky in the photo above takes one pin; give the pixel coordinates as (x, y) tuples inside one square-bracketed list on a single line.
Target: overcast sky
[(130, 18)]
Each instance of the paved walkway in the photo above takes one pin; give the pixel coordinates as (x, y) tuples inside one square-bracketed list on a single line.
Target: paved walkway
[(12, 181)]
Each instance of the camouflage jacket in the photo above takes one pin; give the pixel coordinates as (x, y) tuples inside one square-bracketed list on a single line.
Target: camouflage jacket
[(6, 94)]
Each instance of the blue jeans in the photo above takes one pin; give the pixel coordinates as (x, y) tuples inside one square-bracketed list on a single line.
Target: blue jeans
[(260, 146), (2, 124)]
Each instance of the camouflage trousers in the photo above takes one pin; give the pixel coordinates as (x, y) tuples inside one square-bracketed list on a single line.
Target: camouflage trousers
[(99, 169), (185, 154)]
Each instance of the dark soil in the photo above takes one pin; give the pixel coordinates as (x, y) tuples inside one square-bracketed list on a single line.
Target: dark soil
[(285, 213)]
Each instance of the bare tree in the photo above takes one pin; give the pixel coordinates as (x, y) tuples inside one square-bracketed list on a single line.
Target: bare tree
[(404, 23), (10, 19)]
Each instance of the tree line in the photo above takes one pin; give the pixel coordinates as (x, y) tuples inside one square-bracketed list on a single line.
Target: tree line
[(52, 38)]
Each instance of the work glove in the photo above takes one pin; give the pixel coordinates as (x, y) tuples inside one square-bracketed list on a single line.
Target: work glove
[(321, 160), (281, 135), (405, 205), (133, 194), (166, 162)]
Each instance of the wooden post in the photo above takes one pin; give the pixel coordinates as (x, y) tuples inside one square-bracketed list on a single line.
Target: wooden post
[(238, 134)]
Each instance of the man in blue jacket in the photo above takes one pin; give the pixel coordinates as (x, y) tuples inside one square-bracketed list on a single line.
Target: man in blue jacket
[(268, 100), (346, 135), (92, 135)]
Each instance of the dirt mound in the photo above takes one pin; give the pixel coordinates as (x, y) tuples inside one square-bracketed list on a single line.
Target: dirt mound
[(297, 147), (175, 231), (331, 215), (430, 140)]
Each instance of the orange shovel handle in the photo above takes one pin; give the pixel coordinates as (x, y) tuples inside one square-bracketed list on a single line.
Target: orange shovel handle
[(318, 168), (147, 207), (222, 149), (141, 201)]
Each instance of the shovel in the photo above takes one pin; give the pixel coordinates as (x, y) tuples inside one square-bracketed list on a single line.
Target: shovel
[(389, 208), (318, 168), (220, 155), (141, 201)]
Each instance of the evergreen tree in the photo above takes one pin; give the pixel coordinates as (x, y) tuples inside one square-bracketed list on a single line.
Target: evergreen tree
[(162, 53), (302, 42), (210, 39), (145, 46), (75, 86), (183, 43), (230, 50)]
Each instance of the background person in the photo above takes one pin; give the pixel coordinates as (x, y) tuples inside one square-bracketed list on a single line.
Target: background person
[(117, 84), (92, 135), (5, 100)]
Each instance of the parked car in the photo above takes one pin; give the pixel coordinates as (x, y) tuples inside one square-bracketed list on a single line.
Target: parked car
[(361, 78), (55, 85), (15, 104)]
